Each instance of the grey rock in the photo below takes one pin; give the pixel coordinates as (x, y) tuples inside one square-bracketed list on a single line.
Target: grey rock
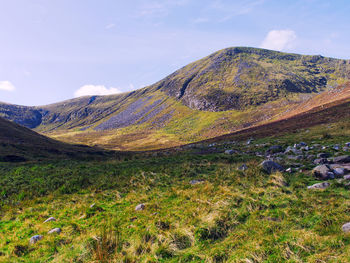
[(347, 177), (346, 149), (321, 161), (339, 171), (336, 147), (321, 171), (243, 167), (275, 149), (323, 155), (140, 207), (35, 239), (196, 181), (346, 227), (341, 159), (322, 185), (50, 219), (289, 170), (271, 166), (56, 230), (229, 152), (347, 144)]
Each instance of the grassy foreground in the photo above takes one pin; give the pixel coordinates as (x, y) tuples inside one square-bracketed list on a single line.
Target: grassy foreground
[(231, 216)]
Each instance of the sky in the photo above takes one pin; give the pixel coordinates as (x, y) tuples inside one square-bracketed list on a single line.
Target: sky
[(53, 50)]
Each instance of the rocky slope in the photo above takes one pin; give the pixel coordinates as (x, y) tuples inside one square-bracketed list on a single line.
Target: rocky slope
[(229, 90)]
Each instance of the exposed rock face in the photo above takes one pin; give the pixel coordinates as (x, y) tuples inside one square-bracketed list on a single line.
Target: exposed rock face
[(221, 80)]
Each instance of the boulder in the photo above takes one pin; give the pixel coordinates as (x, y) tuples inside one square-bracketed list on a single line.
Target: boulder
[(341, 159), (339, 171), (347, 144), (35, 239), (322, 185), (140, 207), (322, 172), (323, 155), (346, 227), (321, 161), (56, 230), (271, 166)]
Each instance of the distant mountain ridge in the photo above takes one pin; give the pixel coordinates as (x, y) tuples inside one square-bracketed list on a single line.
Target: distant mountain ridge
[(228, 90)]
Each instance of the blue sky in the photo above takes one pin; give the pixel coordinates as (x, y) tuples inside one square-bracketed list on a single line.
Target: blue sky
[(52, 50)]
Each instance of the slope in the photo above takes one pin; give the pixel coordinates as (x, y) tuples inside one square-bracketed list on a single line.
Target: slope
[(18, 143), (229, 90)]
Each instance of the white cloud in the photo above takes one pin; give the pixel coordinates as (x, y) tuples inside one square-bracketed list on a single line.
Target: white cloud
[(110, 26), (7, 86), (95, 90), (279, 40)]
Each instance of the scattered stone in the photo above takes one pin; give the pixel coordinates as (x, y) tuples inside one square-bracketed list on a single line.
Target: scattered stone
[(339, 171), (50, 219), (289, 170), (346, 227), (321, 161), (55, 230), (249, 141), (336, 147), (321, 172), (322, 185), (140, 207), (347, 144), (341, 159), (229, 152), (296, 158), (93, 205), (243, 167), (35, 239), (270, 166), (274, 149), (323, 155), (196, 181), (347, 177)]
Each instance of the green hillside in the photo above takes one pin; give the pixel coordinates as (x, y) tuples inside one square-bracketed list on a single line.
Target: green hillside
[(229, 90), (199, 203)]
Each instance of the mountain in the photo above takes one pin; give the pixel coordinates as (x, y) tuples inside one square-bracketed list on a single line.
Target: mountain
[(227, 91), (18, 143)]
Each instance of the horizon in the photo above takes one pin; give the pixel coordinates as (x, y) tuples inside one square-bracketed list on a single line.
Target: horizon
[(58, 51)]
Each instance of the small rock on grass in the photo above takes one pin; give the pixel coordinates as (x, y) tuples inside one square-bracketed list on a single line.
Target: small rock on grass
[(140, 207), (55, 230), (346, 227), (270, 166), (50, 219), (35, 239), (322, 185), (196, 181)]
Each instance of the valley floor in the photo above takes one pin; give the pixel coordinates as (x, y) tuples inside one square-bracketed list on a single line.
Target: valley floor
[(199, 205)]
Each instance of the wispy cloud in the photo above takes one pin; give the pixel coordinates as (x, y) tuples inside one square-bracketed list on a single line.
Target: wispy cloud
[(159, 8), (7, 86), (109, 26), (279, 40), (200, 20), (95, 90), (235, 8)]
